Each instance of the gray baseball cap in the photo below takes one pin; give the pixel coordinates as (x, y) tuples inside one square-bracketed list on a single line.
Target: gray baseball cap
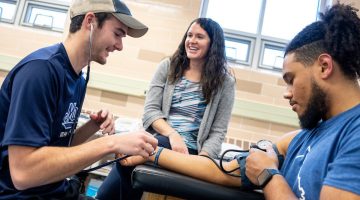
[(116, 7)]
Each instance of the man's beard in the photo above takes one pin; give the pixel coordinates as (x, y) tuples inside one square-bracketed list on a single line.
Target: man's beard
[(316, 108)]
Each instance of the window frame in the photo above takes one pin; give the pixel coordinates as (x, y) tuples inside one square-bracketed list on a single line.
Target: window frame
[(12, 21), (257, 41), (22, 7), (275, 45), (29, 4), (243, 40)]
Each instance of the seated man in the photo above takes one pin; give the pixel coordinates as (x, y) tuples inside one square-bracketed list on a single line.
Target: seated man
[(321, 69)]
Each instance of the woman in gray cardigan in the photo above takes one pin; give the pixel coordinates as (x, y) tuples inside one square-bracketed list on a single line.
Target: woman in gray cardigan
[(162, 115), (188, 104)]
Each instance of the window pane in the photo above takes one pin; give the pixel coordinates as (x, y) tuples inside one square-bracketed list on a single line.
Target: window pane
[(7, 10), (242, 15), (45, 16), (273, 57), (237, 50), (282, 22)]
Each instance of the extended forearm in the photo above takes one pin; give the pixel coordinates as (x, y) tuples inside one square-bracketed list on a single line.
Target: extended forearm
[(195, 166), (31, 167), (278, 189)]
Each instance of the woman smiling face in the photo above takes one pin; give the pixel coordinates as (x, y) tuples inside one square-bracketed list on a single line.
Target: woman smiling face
[(197, 42)]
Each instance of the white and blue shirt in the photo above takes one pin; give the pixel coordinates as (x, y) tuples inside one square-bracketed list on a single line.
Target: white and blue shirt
[(187, 110)]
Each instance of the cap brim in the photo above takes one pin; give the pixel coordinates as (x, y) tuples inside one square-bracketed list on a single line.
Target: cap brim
[(136, 29)]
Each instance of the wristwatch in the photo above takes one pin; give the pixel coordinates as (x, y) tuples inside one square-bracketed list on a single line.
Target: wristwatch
[(265, 176)]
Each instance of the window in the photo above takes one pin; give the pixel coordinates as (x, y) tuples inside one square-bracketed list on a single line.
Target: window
[(238, 50), (45, 16), (7, 10), (272, 56), (257, 31)]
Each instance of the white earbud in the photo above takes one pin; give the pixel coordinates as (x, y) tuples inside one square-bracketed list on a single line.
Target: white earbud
[(90, 41)]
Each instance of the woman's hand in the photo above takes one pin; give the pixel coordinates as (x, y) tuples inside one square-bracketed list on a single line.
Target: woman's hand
[(177, 143)]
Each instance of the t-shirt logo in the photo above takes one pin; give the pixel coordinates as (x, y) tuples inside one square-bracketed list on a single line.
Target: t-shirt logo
[(301, 158), (70, 115)]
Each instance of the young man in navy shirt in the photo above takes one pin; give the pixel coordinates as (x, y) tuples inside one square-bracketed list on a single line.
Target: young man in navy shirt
[(41, 99)]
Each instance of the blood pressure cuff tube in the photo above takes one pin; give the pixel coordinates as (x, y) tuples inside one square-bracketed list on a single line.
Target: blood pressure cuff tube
[(246, 184)]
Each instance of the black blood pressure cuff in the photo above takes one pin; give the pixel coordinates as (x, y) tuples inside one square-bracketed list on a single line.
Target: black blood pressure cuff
[(279, 156), (246, 184)]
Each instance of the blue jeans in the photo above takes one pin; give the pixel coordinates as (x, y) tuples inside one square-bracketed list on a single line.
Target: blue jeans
[(117, 185)]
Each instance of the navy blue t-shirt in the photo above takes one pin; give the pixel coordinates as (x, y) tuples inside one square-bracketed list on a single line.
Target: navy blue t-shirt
[(40, 100), (326, 155)]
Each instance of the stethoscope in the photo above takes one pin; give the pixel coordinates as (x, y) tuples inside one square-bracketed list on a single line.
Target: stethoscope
[(72, 130)]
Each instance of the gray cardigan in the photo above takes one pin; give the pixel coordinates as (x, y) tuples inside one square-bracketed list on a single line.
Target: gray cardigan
[(217, 114)]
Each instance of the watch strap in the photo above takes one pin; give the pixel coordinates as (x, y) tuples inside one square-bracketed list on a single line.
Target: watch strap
[(270, 174)]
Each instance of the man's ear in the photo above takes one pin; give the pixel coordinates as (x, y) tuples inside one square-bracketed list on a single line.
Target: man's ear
[(326, 65), (89, 19)]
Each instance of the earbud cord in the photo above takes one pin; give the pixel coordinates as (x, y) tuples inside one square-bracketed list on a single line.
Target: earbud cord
[(90, 51), (72, 131), (87, 80)]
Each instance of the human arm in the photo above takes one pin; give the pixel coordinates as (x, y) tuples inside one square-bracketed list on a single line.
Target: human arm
[(201, 167), (57, 163), (220, 111), (153, 107), (329, 192), (39, 117), (278, 188), (196, 166), (102, 120), (258, 160), (337, 183), (176, 141), (157, 106)]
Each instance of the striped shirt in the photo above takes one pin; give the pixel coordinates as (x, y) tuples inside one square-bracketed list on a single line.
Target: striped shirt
[(187, 110)]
